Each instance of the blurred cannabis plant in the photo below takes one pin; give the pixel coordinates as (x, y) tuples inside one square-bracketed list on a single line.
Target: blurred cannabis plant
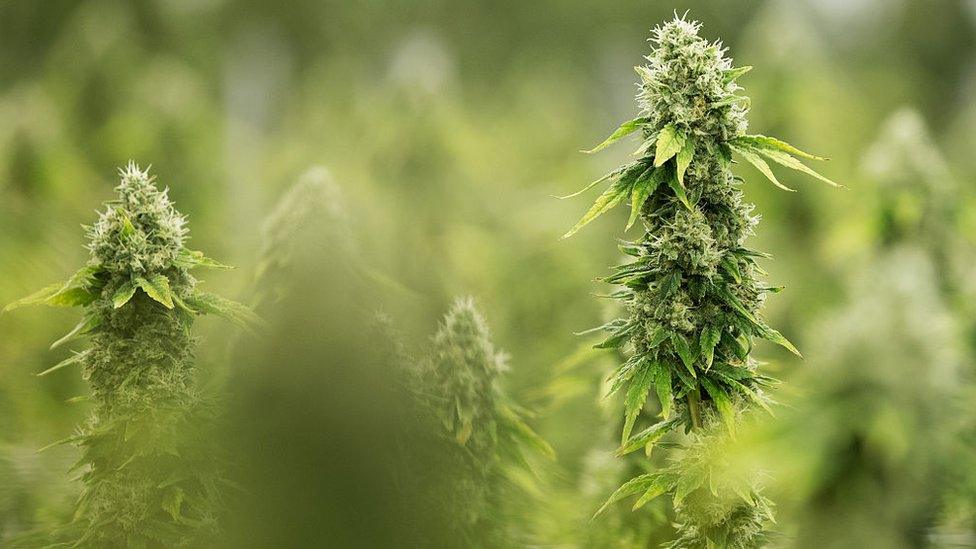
[(150, 478), (460, 382), (692, 291)]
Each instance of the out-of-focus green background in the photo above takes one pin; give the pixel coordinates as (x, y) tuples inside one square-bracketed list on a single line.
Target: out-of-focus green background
[(448, 124)]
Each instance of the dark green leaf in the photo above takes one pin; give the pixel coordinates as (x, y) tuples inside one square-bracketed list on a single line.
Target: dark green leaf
[(645, 186), (679, 189), (636, 395), (709, 338), (662, 386), (681, 346)]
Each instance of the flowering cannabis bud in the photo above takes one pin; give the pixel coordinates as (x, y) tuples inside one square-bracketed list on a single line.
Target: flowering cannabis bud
[(462, 375), (692, 290), (149, 480)]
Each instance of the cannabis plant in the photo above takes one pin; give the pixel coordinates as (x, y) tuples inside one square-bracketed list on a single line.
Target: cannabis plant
[(150, 480), (460, 382), (309, 221), (890, 369), (692, 292)]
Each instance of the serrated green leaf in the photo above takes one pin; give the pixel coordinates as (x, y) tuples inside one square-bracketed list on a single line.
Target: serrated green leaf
[(669, 141), (784, 159), (654, 491), (753, 158), (644, 187), (709, 338), (590, 185), (662, 386), (622, 374), (681, 346), (157, 288), (722, 403), (629, 488), (73, 359), (731, 74), (732, 268), (685, 156), (87, 323), (71, 297), (127, 228), (624, 130), (237, 313), (679, 189), (688, 483), (658, 336), (770, 334), (123, 294), (734, 302), (526, 434), (610, 198), (636, 396), (763, 142), (35, 298), (172, 503), (648, 436)]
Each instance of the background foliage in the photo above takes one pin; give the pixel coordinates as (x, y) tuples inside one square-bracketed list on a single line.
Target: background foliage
[(447, 124)]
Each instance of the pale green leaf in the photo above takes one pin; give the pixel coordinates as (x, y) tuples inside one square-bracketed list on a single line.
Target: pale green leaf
[(753, 158), (173, 502), (123, 294), (610, 198), (731, 74), (73, 359), (763, 142), (207, 303), (629, 488), (784, 159), (722, 403), (669, 143), (158, 289), (71, 297), (624, 130), (87, 323), (659, 487), (685, 155), (35, 298)]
